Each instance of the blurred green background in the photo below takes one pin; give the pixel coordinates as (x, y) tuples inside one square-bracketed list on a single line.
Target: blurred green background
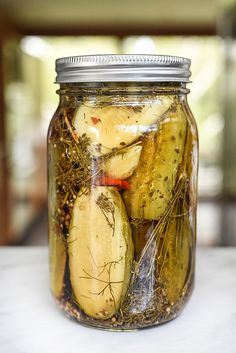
[(33, 35)]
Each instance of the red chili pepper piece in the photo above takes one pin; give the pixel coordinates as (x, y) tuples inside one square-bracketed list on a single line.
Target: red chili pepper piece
[(95, 120), (121, 184)]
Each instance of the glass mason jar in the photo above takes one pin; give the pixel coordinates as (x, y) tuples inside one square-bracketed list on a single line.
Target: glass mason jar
[(122, 183)]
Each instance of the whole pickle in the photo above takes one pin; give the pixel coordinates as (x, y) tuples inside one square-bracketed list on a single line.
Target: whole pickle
[(152, 182), (176, 257), (100, 251)]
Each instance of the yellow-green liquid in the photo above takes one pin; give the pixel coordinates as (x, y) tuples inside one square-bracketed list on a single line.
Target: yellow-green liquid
[(159, 200)]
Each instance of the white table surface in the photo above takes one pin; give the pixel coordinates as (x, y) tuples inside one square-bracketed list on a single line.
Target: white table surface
[(30, 321)]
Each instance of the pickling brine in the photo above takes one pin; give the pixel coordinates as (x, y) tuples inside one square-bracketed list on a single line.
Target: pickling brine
[(122, 166)]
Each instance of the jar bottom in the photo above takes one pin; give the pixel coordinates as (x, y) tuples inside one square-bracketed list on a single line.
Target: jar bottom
[(75, 314)]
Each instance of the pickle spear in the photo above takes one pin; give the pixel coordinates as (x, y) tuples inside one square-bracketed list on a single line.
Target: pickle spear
[(100, 251), (152, 182), (123, 163), (57, 261), (176, 259), (112, 127)]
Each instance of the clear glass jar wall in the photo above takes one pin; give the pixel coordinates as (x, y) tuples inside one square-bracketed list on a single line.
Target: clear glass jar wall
[(122, 165)]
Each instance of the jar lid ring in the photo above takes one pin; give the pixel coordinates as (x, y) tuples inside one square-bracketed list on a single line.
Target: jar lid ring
[(123, 68)]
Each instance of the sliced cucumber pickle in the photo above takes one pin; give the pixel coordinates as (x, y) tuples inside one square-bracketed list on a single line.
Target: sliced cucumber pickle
[(57, 261), (115, 126), (122, 164)]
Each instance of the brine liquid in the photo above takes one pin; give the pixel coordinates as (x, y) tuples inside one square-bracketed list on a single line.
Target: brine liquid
[(122, 203)]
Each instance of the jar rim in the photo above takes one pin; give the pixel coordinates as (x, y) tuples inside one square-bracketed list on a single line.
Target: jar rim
[(122, 68)]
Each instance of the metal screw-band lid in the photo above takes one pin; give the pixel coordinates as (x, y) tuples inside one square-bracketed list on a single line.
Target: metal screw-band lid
[(122, 68)]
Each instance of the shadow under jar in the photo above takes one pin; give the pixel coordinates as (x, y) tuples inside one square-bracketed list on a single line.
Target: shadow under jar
[(122, 176)]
